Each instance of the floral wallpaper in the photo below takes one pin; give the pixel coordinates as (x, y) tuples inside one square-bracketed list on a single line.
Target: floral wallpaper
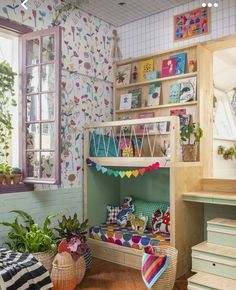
[(86, 74)]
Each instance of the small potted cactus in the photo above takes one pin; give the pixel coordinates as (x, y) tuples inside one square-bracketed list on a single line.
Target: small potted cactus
[(16, 175)]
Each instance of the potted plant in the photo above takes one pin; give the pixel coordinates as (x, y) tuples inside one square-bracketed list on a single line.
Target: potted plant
[(7, 81), (28, 236), (190, 137), (16, 175), (1, 173), (227, 153), (7, 173), (72, 238)]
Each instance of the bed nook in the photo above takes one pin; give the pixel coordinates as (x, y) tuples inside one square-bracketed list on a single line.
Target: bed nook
[(133, 178)]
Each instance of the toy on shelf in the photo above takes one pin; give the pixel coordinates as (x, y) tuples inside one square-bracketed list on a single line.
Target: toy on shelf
[(138, 224)]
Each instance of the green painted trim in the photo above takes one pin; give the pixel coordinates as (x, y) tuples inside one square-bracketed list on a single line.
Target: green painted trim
[(209, 200)]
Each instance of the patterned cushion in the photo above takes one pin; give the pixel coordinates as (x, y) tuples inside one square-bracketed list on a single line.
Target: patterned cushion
[(148, 208), (127, 208), (112, 212), (165, 225)]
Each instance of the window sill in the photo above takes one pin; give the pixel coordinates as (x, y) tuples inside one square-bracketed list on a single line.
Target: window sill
[(13, 188)]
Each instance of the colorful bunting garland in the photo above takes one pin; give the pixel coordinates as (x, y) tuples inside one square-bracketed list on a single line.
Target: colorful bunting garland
[(122, 173)]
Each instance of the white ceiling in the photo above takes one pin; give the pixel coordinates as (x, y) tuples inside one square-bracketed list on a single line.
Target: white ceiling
[(224, 69), (111, 12)]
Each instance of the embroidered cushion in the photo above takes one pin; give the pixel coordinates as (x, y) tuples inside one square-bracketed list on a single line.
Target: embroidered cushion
[(112, 212), (157, 220), (126, 208), (148, 208), (165, 225)]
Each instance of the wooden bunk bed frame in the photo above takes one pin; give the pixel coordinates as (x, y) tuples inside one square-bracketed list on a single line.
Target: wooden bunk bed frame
[(186, 221)]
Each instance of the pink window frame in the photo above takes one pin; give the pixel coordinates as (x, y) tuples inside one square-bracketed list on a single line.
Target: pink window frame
[(57, 121)]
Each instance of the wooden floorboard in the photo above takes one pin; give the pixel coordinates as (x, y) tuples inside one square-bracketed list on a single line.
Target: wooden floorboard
[(109, 276)]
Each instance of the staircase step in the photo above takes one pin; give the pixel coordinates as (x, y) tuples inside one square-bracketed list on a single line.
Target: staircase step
[(217, 184), (205, 281), (214, 259), (222, 232)]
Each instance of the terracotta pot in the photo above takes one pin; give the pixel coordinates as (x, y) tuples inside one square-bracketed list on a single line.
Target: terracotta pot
[(190, 152), (2, 177), (16, 178), (8, 179)]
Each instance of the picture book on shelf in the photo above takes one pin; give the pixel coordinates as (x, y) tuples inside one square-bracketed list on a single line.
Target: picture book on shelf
[(125, 101), (154, 94), (174, 91), (162, 127), (187, 89), (123, 75), (145, 128), (146, 66), (184, 119), (136, 97), (180, 63), (168, 67)]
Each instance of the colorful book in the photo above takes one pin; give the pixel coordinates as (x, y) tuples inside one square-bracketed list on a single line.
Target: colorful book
[(146, 66), (187, 89), (136, 97), (180, 63), (142, 128), (168, 67), (154, 94), (178, 112), (174, 92), (123, 75), (184, 119), (125, 101)]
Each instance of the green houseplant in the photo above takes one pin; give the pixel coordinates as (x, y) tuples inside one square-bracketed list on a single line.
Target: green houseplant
[(26, 235), (227, 153), (16, 175), (7, 81), (190, 136)]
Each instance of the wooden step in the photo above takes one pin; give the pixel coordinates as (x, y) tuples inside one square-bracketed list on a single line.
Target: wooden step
[(203, 281), (222, 232), (226, 198), (214, 259), (219, 185)]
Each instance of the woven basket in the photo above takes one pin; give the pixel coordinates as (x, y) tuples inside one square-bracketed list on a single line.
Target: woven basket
[(88, 259), (63, 273), (80, 269), (190, 152), (167, 279), (45, 258)]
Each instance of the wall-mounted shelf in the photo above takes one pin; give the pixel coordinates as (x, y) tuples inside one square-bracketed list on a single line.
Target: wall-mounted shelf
[(175, 77), (193, 103)]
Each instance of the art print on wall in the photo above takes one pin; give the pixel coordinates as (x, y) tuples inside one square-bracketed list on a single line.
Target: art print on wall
[(192, 23)]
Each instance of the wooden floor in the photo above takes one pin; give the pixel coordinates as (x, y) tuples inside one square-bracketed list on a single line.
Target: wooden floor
[(106, 275)]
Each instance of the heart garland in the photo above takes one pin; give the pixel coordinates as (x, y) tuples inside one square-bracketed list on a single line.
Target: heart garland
[(128, 173)]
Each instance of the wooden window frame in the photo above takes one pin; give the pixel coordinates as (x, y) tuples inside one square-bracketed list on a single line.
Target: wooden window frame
[(57, 107)]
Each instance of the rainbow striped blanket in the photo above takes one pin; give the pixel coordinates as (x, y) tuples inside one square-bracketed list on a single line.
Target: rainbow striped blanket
[(153, 267)]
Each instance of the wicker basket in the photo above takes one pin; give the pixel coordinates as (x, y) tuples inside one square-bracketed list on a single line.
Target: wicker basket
[(167, 279), (80, 269), (63, 272), (190, 152), (45, 258)]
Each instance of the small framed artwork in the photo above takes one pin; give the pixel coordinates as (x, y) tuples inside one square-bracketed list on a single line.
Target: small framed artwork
[(123, 75), (150, 128), (188, 89), (125, 101), (192, 23)]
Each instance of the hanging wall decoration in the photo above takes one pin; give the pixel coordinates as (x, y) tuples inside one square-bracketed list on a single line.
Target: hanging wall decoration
[(193, 23), (123, 173)]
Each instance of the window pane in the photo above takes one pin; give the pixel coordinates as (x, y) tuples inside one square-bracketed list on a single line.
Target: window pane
[(32, 80), (33, 108), (48, 78), (48, 48), (32, 136), (32, 51), (47, 164), (47, 107), (33, 164), (48, 137)]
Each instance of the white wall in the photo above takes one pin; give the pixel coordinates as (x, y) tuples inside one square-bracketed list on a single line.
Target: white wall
[(155, 33)]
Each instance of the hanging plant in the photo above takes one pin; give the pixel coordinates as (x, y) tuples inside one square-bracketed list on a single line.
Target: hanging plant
[(227, 153), (64, 9), (7, 81)]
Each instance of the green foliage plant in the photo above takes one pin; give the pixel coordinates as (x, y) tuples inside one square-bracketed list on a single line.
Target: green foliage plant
[(191, 133), (227, 153)]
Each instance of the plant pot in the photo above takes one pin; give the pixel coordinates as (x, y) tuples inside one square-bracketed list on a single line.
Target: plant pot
[(16, 178), (88, 259), (7, 179), (80, 269), (46, 258), (190, 152), (2, 177)]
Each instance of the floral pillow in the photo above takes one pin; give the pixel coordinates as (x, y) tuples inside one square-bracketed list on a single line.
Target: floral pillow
[(126, 208), (165, 225), (112, 213), (157, 221)]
